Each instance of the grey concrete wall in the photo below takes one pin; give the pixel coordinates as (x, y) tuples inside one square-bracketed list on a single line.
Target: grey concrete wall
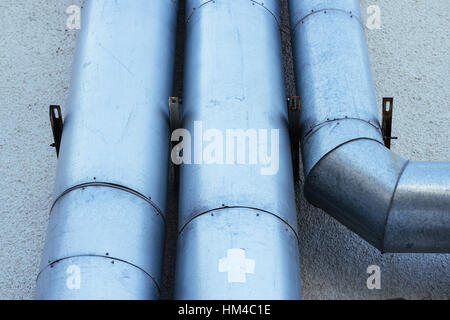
[(410, 61)]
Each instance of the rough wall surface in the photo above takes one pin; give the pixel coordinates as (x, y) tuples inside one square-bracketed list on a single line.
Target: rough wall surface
[(410, 61)]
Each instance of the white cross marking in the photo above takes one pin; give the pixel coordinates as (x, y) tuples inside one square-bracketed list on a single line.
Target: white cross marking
[(236, 265)]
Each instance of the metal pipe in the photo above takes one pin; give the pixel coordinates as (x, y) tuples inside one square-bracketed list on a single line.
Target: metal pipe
[(237, 222), (395, 204), (105, 236)]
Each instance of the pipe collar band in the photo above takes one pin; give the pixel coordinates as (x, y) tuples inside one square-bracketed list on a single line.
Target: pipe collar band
[(297, 23), (92, 277), (234, 208), (105, 222), (113, 186), (271, 7), (51, 264), (330, 135)]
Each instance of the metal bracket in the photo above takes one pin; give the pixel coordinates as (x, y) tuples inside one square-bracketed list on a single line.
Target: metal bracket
[(294, 115), (293, 104), (175, 115), (388, 105), (175, 112), (56, 121)]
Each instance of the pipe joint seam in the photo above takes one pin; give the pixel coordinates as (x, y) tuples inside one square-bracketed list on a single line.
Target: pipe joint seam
[(330, 135), (113, 186), (259, 211), (325, 11), (311, 129), (253, 2), (419, 215), (112, 259), (362, 169), (391, 203)]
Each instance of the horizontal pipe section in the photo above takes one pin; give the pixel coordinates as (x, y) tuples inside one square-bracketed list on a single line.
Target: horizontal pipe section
[(419, 218), (237, 222), (396, 205), (106, 230)]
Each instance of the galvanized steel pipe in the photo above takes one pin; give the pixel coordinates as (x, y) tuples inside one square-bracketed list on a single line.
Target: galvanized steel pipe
[(105, 237), (395, 204), (237, 227)]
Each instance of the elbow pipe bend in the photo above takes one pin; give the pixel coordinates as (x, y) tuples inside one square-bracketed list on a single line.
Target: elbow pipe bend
[(394, 204)]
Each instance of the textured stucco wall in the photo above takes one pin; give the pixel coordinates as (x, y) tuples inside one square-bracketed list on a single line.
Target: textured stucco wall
[(410, 61)]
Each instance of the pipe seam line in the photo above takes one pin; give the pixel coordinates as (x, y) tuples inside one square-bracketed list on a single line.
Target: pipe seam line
[(315, 136), (314, 128), (325, 10), (115, 187), (194, 10), (51, 264), (391, 203), (112, 186), (195, 216)]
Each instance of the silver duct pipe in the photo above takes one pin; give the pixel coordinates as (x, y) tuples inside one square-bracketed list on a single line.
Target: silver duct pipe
[(395, 204), (105, 237), (237, 222)]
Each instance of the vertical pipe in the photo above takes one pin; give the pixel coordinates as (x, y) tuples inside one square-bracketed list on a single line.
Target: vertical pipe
[(333, 77), (237, 221), (105, 235)]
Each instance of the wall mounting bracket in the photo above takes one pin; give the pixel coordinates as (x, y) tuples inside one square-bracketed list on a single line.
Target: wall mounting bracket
[(388, 105), (175, 112), (293, 104), (56, 121)]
